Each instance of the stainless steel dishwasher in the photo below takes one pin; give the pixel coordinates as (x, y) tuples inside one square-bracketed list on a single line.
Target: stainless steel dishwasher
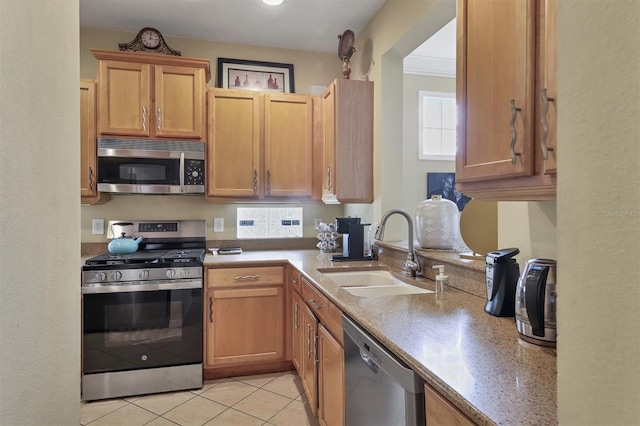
[(380, 390)]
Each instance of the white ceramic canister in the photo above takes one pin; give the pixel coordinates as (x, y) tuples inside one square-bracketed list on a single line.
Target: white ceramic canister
[(438, 224)]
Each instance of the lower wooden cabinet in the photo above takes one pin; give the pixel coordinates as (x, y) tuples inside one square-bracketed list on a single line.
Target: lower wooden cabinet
[(330, 379), (244, 316), (297, 331), (441, 412), (309, 373)]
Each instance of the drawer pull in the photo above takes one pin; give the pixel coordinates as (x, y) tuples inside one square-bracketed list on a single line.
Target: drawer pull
[(246, 278), (308, 340), (315, 348), (295, 317), (514, 135), (545, 125), (314, 304)]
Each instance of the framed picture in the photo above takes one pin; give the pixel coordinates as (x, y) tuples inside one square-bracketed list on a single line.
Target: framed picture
[(444, 184), (254, 75)]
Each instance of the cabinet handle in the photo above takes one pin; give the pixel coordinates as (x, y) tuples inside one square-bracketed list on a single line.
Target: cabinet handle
[(91, 178), (308, 340), (314, 304), (144, 118), (329, 179), (246, 278), (268, 182), (295, 317), (545, 125), (159, 118), (255, 181), (293, 280), (514, 136), (315, 348), (211, 309)]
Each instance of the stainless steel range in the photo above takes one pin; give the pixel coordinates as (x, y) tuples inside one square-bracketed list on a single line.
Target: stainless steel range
[(142, 312)]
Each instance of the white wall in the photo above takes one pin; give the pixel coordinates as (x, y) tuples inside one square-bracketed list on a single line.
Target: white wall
[(599, 212), (39, 213)]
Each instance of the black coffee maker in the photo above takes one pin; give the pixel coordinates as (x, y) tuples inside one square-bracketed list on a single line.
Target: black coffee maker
[(502, 273), (356, 239)]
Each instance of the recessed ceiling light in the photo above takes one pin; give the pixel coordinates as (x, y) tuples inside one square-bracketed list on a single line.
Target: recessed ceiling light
[(272, 2)]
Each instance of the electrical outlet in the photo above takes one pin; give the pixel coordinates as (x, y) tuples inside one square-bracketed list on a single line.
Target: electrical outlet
[(98, 227), (218, 224)]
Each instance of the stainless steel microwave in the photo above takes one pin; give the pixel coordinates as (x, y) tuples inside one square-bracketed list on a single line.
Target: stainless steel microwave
[(143, 166)]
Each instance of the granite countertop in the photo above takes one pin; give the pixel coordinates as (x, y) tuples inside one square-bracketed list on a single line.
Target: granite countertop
[(473, 359)]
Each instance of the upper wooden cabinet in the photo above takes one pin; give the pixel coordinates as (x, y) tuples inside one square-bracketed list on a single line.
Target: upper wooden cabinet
[(261, 146), (504, 61), (151, 95), (88, 172), (348, 142)]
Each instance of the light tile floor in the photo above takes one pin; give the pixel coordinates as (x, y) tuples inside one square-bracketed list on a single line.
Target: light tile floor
[(267, 399)]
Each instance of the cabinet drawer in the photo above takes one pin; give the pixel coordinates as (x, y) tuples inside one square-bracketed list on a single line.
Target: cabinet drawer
[(239, 277), (296, 280), (328, 313)]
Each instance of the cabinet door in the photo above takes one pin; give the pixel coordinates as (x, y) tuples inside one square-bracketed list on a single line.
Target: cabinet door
[(440, 412), (329, 169), (233, 146), (495, 84), (298, 333), (245, 326), (288, 145), (179, 102), (88, 173), (124, 98), (348, 142), (309, 374), (330, 379), (546, 89)]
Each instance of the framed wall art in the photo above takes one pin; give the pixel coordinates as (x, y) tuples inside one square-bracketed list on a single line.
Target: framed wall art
[(255, 75), (444, 184)]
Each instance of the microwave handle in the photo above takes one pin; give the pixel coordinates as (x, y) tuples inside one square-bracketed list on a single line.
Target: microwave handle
[(182, 172)]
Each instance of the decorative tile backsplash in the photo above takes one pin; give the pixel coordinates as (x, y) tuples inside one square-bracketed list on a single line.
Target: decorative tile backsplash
[(269, 222)]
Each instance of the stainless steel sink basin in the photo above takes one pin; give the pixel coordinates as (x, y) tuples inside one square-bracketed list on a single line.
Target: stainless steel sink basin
[(373, 283)]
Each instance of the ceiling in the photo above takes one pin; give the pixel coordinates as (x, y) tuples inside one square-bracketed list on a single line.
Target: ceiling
[(311, 25)]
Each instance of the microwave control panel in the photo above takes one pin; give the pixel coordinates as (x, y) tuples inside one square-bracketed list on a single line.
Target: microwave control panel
[(193, 172)]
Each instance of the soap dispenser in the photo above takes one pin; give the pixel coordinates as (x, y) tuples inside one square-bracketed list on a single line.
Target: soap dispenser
[(442, 283)]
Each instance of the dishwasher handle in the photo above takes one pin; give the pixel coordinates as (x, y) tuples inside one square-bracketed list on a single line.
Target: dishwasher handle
[(382, 357), (367, 360)]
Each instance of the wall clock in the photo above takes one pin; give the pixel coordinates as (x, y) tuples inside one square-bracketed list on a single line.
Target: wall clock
[(148, 40)]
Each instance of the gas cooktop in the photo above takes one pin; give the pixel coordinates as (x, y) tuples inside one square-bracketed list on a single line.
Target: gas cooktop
[(195, 256)]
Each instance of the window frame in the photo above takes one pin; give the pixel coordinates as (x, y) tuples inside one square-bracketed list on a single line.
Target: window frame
[(421, 142)]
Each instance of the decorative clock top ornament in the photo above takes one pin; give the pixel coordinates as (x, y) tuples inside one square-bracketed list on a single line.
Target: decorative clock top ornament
[(345, 50), (148, 40)]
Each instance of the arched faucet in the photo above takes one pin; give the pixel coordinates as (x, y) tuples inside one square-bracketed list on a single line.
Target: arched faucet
[(410, 266)]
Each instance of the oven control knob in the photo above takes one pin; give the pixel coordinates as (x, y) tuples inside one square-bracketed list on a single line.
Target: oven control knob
[(116, 276), (144, 274), (171, 273), (101, 276), (184, 273)]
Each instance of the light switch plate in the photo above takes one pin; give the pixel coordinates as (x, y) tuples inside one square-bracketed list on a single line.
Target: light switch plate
[(218, 224)]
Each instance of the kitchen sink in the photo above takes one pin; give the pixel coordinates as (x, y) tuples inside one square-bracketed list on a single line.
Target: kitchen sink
[(373, 283)]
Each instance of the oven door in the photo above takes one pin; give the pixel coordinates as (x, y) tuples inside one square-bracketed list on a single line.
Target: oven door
[(133, 330)]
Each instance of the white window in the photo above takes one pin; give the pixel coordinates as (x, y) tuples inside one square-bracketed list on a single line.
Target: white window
[(437, 121)]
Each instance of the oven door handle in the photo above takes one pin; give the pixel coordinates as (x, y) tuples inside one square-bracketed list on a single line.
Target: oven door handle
[(145, 286)]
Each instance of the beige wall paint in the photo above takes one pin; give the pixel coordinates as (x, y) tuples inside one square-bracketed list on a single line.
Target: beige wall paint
[(39, 213), (529, 226), (599, 212), (414, 170), (310, 68)]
